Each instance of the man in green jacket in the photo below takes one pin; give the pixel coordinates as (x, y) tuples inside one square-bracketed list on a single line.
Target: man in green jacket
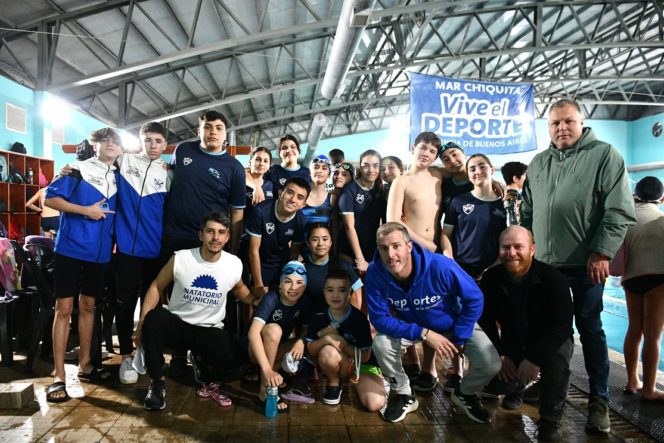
[(578, 203)]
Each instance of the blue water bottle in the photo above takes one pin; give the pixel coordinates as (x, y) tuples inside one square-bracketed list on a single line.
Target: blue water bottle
[(271, 408)]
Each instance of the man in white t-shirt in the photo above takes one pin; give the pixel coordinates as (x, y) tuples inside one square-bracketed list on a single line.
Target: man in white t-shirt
[(202, 278)]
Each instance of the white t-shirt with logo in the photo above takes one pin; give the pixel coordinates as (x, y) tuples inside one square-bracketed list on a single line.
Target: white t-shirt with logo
[(200, 288)]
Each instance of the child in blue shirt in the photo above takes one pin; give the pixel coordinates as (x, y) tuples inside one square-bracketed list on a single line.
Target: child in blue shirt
[(87, 199), (340, 340), (273, 321)]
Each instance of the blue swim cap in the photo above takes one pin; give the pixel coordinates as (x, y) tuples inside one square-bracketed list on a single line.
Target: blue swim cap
[(294, 267)]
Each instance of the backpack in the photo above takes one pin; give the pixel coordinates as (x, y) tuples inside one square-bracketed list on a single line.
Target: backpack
[(18, 147), (15, 176)]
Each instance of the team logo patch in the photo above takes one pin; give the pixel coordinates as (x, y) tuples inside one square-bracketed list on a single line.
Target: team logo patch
[(269, 227), (277, 315), (282, 181), (187, 161), (132, 170), (214, 173), (359, 198), (289, 232), (158, 183), (268, 194), (467, 209), (98, 181)]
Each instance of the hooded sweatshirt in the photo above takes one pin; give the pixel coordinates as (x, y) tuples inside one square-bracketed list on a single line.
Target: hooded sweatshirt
[(577, 201), (440, 297)]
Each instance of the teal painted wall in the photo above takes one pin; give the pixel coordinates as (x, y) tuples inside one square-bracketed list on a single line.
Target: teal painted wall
[(76, 127), (22, 97)]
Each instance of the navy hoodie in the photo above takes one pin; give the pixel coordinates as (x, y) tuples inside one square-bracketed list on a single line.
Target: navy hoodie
[(441, 297)]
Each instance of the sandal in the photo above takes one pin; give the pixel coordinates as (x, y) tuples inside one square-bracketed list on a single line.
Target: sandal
[(296, 395), (53, 389), (96, 375)]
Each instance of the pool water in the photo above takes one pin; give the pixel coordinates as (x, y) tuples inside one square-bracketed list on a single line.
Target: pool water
[(614, 317)]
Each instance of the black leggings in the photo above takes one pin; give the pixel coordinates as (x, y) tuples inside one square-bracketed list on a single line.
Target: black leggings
[(162, 329)]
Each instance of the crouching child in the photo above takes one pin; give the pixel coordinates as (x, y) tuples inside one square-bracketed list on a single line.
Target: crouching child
[(340, 340)]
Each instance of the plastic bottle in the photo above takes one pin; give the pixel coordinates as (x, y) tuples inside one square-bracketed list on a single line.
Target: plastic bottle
[(510, 207), (271, 407), (31, 176)]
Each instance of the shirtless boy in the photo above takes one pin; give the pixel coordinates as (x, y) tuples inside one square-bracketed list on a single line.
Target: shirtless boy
[(415, 196)]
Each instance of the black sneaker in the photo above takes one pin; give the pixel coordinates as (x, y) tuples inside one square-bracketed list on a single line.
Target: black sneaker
[(452, 384), (178, 366), (413, 370), (425, 382), (191, 358), (156, 398), (547, 431), (399, 406), (471, 405), (332, 395), (514, 400)]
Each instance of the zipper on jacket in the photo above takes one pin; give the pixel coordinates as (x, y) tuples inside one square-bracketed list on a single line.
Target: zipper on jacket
[(101, 227), (138, 209), (561, 156)]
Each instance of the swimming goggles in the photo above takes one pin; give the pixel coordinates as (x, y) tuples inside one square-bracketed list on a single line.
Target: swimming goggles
[(345, 167), (288, 270), (321, 159)]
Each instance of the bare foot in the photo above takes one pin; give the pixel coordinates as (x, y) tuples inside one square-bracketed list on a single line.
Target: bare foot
[(657, 396), (632, 388)]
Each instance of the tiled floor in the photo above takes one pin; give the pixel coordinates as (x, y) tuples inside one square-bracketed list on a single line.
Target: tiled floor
[(114, 412)]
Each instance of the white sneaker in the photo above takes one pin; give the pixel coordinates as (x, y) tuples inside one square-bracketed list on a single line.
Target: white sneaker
[(127, 373)]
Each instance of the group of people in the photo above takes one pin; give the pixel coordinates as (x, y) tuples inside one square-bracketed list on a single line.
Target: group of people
[(429, 254)]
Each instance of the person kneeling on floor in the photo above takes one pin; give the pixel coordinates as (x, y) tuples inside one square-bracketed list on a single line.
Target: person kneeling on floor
[(202, 278), (530, 302), (340, 339), (415, 295), (276, 316)]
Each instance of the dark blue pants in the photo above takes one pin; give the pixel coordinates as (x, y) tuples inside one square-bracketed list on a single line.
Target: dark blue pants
[(588, 307)]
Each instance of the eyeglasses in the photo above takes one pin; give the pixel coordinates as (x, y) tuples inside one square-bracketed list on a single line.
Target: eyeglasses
[(294, 270)]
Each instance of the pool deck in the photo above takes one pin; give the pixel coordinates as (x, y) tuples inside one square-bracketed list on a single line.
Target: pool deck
[(114, 412)]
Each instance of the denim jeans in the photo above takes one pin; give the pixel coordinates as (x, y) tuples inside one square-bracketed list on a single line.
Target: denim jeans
[(484, 361), (587, 309)]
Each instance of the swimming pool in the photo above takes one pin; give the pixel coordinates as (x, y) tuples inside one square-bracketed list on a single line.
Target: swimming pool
[(614, 317)]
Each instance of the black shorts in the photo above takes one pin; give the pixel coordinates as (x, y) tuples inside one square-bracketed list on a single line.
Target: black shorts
[(73, 276), (50, 223), (643, 284)]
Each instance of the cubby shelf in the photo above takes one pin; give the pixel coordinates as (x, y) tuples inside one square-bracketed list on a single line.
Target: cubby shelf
[(19, 220)]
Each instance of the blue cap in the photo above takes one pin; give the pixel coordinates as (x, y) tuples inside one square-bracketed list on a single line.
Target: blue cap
[(294, 267), (321, 159)]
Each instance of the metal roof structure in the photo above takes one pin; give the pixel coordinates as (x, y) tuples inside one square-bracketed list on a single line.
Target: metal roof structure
[(263, 63)]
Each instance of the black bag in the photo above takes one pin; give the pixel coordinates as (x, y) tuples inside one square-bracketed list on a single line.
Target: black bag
[(84, 151), (18, 147), (15, 176)]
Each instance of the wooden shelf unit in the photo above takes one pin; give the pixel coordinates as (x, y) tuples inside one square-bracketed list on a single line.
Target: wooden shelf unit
[(19, 220)]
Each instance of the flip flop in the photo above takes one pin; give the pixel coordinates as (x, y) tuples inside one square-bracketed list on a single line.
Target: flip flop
[(296, 395), (53, 388), (96, 375)]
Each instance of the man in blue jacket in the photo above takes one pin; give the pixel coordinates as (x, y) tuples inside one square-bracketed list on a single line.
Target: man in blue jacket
[(417, 296)]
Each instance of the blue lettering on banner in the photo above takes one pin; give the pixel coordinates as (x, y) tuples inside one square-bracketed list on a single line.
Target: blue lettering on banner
[(492, 118)]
